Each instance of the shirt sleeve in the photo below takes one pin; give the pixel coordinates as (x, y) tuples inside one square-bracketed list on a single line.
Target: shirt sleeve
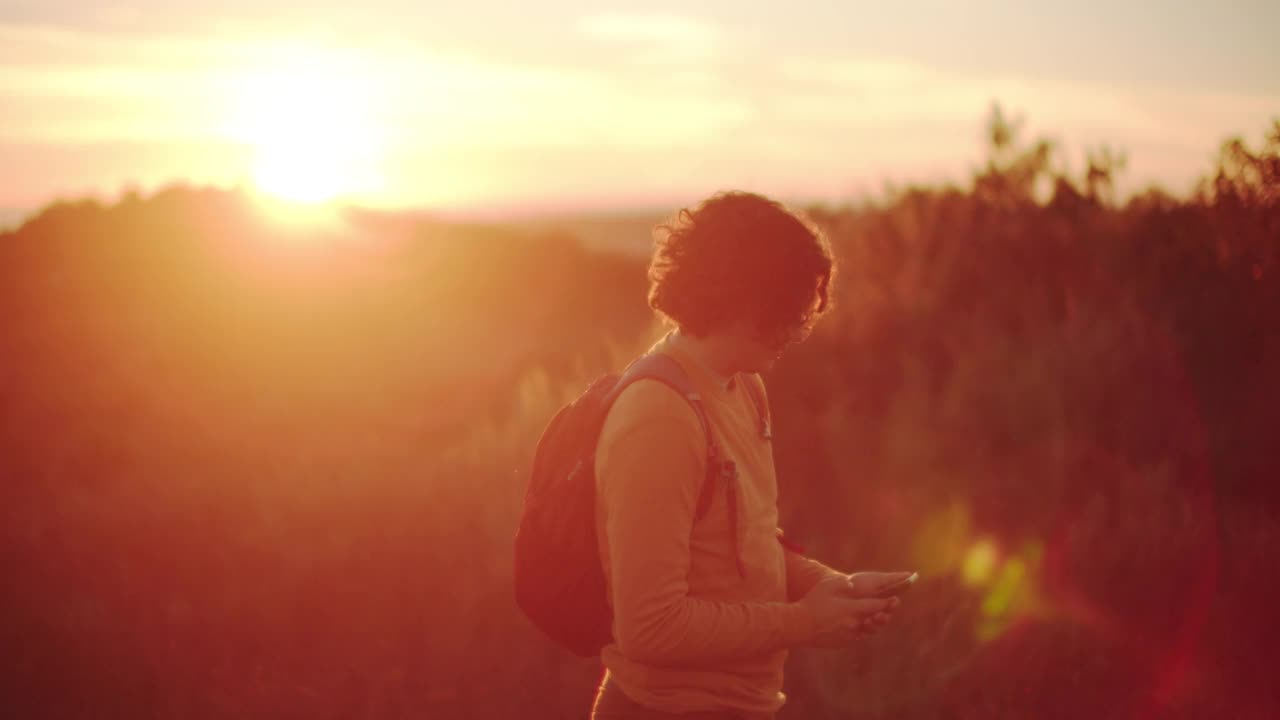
[(650, 467), (803, 573)]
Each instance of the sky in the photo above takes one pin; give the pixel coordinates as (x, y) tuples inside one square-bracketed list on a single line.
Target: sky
[(568, 105)]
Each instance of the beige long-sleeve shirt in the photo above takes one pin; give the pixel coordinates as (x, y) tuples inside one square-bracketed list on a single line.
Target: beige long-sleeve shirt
[(691, 632)]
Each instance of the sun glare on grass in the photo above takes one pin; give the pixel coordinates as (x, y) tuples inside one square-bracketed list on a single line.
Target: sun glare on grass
[(311, 123)]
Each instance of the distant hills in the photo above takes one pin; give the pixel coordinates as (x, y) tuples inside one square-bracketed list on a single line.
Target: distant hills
[(11, 218), (626, 232)]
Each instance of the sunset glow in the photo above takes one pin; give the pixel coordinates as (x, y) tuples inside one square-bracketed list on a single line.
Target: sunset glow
[(312, 129), (583, 106)]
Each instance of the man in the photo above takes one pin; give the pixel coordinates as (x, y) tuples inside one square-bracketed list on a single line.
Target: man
[(704, 612)]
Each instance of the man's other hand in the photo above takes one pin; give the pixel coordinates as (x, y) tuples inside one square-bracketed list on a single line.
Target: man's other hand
[(840, 616)]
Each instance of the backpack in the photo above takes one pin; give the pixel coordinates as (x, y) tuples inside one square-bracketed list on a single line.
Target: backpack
[(559, 581)]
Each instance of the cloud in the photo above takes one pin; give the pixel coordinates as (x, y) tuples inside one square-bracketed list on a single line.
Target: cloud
[(657, 37), (661, 28)]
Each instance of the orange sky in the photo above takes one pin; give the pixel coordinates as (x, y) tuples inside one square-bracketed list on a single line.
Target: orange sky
[(572, 106)]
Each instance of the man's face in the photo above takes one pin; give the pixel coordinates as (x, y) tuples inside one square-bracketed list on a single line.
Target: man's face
[(758, 350)]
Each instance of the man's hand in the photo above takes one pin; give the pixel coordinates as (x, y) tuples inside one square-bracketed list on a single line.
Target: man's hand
[(868, 584), (840, 615)]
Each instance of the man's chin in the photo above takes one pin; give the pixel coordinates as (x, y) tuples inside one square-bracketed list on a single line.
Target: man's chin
[(766, 364), (762, 362)]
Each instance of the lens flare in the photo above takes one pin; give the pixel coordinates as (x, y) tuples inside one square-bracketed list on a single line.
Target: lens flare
[(979, 562)]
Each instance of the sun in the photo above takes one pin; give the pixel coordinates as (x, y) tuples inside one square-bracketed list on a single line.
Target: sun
[(310, 123)]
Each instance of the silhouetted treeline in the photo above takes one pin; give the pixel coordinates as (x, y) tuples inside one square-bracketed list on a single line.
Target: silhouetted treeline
[(261, 464)]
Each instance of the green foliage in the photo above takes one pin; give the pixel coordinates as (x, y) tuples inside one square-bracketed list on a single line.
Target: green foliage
[(261, 469)]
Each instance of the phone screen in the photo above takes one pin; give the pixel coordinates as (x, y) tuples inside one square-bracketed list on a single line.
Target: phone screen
[(899, 587)]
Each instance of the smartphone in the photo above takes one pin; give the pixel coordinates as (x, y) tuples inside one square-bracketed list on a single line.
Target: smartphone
[(897, 588)]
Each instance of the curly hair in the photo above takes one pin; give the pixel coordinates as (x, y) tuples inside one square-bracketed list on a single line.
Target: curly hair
[(740, 255)]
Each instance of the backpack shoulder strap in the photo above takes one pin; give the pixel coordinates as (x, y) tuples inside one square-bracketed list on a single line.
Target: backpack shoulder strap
[(663, 368)]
